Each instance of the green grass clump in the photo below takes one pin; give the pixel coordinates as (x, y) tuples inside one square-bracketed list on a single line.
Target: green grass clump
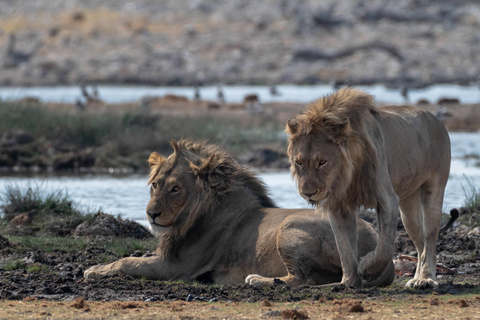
[(50, 212), (123, 247), (49, 244), (18, 200), (89, 129), (14, 265), (36, 268), (472, 195), (126, 138)]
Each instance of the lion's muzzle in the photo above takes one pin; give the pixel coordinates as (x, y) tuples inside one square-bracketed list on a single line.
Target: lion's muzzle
[(316, 197), (151, 216)]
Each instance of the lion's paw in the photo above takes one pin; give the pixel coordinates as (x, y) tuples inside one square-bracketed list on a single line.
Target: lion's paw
[(422, 283), (258, 281), (371, 270), (94, 273)]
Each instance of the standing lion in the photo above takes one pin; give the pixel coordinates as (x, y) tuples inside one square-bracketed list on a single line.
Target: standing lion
[(345, 154), (216, 223)]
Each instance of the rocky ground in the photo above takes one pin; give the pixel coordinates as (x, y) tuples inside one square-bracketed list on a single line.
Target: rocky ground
[(55, 272), (401, 43)]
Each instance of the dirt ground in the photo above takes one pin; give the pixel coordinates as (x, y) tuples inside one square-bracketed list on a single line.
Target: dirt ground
[(50, 283), (413, 307)]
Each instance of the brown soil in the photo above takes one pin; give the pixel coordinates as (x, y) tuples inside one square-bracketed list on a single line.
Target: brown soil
[(414, 307), (58, 275), (49, 283)]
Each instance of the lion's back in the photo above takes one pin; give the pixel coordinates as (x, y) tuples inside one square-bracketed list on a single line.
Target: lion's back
[(417, 146)]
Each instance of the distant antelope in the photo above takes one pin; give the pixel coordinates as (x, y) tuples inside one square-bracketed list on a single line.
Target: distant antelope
[(90, 97), (251, 102)]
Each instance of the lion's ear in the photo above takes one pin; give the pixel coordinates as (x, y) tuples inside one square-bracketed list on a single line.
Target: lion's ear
[(292, 126), (176, 148), (212, 171), (341, 131), (204, 167), (154, 159)]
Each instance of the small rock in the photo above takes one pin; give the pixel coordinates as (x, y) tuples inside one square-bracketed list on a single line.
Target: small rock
[(357, 307), (266, 303), (4, 243), (79, 303), (22, 219), (107, 225), (273, 313), (33, 257), (462, 303), (294, 314)]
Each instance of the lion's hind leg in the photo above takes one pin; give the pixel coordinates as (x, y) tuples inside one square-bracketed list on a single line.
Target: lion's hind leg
[(261, 282), (306, 245), (421, 214)]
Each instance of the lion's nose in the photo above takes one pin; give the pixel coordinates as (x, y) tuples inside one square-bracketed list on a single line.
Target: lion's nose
[(309, 195), (154, 215)]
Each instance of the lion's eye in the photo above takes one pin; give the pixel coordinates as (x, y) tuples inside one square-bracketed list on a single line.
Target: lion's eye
[(322, 163), (298, 163), (154, 185), (175, 189)]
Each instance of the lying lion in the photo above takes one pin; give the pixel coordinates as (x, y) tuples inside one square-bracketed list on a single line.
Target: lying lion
[(217, 224)]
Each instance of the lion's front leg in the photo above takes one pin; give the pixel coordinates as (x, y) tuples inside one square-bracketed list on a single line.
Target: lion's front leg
[(150, 267), (101, 270), (375, 263), (344, 226)]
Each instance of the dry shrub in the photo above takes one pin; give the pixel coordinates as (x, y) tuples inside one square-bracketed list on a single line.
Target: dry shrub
[(462, 303), (127, 305), (79, 303), (357, 307), (294, 314), (266, 303)]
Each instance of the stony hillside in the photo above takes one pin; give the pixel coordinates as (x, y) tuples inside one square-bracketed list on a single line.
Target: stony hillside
[(180, 42)]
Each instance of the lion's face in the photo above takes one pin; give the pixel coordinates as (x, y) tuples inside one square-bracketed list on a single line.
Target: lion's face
[(318, 166), (169, 190)]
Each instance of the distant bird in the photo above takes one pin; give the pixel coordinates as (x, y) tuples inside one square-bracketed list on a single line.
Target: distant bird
[(220, 95), (404, 93), (274, 91), (197, 96), (79, 105), (441, 113), (337, 84)]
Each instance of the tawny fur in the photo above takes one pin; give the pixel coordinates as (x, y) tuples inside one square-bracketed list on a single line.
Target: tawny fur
[(346, 153), (216, 223)]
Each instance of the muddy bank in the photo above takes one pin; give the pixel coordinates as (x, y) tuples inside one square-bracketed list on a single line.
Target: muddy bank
[(23, 153), (119, 138), (412, 43), (55, 272)]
